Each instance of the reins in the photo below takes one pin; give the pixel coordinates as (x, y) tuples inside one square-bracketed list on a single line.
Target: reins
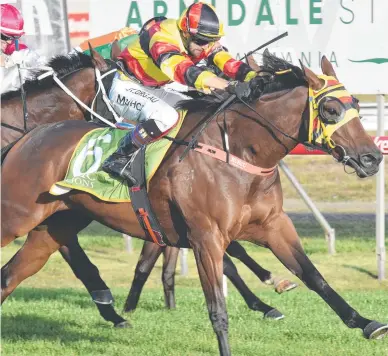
[(225, 155), (59, 82)]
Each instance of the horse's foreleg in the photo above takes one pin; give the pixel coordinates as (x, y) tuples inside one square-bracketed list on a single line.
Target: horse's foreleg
[(89, 275), (281, 285), (252, 301), (30, 258), (284, 242), (170, 255), (208, 253), (148, 256)]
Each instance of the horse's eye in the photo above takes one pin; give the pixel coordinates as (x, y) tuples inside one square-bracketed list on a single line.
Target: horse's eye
[(332, 111)]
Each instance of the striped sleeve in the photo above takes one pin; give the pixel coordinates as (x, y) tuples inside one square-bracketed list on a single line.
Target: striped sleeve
[(231, 67), (166, 54)]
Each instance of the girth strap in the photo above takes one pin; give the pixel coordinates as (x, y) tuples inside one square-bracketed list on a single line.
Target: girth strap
[(141, 203)]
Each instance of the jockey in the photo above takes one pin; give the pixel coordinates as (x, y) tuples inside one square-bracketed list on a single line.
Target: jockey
[(166, 51), (13, 52)]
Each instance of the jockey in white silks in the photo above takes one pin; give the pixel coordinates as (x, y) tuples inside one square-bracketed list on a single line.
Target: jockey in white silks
[(14, 53)]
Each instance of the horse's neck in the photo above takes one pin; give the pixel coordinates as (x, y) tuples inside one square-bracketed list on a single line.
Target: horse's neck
[(251, 136), (81, 84), (52, 104)]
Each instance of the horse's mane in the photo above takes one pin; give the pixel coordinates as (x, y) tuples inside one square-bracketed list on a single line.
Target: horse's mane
[(62, 65), (271, 64)]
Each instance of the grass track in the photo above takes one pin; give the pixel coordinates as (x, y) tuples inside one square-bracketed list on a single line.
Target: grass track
[(64, 322), (51, 313)]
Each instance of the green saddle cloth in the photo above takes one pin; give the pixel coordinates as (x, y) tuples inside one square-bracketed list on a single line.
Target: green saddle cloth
[(84, 171)]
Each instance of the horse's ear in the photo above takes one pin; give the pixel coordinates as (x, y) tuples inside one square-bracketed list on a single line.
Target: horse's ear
[(115, 50), (97, 59), (253, 64), (314, 82), (327, 67)]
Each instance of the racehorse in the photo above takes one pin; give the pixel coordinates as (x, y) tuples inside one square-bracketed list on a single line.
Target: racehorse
[(201, 202), (47, 103), (151, 252)]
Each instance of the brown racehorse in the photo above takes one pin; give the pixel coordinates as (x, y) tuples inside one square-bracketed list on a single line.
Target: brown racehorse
[(201, 203), (47, 103)]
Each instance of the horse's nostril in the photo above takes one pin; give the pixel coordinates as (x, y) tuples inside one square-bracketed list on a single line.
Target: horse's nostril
[(368, 160)]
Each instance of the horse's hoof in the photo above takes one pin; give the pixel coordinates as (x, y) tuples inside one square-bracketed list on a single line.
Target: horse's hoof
[(123, 324), (284, 285), (273, 314), (375, 330)]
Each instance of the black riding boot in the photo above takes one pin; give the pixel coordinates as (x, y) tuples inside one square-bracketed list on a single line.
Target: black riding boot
[(118, 164)]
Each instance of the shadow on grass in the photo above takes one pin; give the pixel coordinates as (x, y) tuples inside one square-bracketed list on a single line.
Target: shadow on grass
[(361, 270), (79, 298), (37, 327)]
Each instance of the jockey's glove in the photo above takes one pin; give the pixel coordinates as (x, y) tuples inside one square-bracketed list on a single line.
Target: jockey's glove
[(241, 89), (257, 85)]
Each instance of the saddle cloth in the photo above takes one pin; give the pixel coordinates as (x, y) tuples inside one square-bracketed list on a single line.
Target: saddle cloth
[(84, 171)]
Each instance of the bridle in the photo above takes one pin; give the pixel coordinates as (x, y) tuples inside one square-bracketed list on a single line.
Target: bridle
[(314, 105), (310, 110)]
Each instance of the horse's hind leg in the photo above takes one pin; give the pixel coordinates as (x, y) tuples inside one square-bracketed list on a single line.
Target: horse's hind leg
[(284, 242), (281, 285), (89, 275), (148, 256), (170, 255), (252, 301), (31, 257)]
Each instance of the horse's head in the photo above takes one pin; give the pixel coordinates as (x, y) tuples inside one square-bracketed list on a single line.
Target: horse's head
[(334, 123)]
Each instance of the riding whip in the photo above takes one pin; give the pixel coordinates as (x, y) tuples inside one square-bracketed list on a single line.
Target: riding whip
[(193, 141), (277, 38)]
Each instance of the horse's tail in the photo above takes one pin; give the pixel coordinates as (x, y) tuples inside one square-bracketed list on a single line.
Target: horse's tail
[(6, 149)]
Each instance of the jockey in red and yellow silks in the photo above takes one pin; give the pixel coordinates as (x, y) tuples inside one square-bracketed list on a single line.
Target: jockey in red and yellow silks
[(160, 56), (166, 51)]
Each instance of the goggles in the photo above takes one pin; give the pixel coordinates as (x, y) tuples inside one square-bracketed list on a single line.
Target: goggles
[(9, 38), (203, 41)]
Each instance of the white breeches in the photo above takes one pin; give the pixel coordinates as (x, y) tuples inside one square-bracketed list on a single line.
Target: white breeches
[(138, 103)]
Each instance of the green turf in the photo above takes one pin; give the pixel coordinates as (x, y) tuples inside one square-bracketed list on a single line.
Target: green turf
[(51, 313), (64, 322)]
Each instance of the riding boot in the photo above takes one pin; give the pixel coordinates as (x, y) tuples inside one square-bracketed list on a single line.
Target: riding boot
[(118, 164)]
